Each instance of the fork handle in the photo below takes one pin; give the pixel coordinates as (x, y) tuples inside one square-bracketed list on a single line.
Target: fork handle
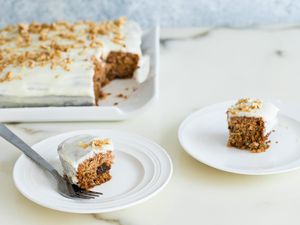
[(27, 150)]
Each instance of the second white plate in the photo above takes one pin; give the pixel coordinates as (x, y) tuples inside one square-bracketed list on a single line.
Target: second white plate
[(141, 169), (204, 135)]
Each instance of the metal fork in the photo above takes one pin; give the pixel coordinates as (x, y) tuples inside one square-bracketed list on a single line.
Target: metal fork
[(65, 188)]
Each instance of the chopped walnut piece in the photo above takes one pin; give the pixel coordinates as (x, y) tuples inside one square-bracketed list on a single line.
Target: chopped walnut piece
[(245, 105), (8, 77), (120, 22), (98, 143), (83, 145), (31, 64), (43, 37), (35, 28), (68, 36), (95, 44)]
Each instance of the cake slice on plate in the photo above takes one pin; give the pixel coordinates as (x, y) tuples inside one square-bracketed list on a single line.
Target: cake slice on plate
[(86, 160), (250, 122)]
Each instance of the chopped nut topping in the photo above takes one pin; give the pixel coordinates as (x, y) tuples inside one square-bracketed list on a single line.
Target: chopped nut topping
[(99, 143), (120, 22), (95, 44), (43, 37), (68, 36), (8, 77), (245, 105), (31, 64), (17, 48), (96, 143), (35, 28), (84, 145)]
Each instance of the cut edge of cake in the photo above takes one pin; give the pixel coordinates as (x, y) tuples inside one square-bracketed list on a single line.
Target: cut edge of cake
[(117, 65)]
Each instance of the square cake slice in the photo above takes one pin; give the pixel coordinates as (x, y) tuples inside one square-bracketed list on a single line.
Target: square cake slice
[(86, 160), (250, 122)]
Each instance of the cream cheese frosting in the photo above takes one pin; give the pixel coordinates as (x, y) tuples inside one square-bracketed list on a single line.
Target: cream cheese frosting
[(57, 60), (75, 150), (255, 108)]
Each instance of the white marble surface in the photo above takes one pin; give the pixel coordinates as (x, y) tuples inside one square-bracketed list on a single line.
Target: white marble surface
[(198, 67)]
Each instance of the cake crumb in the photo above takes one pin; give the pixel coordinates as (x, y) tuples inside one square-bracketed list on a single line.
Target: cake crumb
[(116, 103), (122, 96), (102, 95)]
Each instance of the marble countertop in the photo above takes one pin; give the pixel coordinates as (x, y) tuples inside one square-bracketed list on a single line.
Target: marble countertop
[(198, 67)]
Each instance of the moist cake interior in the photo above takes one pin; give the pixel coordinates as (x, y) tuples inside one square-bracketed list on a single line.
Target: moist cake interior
[(118, 65), (95, 171), (248, 133)]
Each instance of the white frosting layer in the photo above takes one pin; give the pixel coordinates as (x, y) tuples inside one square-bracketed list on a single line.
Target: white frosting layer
[(141, 74), (56, 82), (267, 111), (72, 153)]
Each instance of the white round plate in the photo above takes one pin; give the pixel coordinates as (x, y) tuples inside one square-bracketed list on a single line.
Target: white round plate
[(142, 168), (204, 135)]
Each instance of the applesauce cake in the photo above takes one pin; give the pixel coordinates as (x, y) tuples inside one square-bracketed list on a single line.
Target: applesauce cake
[(66, 64), (86, 160), (250, 122)]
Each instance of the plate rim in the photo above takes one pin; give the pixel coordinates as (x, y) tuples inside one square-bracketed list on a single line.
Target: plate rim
[(226, 169), (109, 209)]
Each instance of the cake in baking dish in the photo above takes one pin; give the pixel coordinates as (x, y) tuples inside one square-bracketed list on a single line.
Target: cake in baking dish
[(66, 64), (86, 160), (250, 122)]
